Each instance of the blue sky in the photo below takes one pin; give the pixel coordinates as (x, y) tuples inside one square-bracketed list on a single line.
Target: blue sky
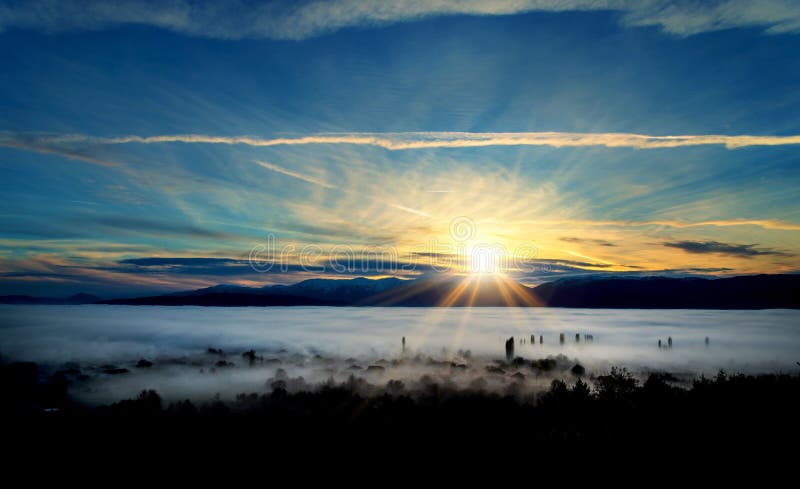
[(410, 108)]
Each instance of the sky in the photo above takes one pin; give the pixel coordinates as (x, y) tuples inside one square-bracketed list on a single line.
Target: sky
[(151, 147)]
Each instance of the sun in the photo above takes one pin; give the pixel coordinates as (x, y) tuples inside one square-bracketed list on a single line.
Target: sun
[(485, 260)]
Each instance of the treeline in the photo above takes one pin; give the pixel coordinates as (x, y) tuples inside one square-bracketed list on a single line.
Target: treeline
[(612, 408)]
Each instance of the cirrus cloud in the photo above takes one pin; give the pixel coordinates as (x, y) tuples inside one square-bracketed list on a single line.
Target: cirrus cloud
[(297, 20), (741, 250), (71, 144)]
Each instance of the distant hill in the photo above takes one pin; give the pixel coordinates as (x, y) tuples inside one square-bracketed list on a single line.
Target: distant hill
[(229, 299), (347, 291), (312, 292), (485, 291), (27, 299), (353, 291), (745, 292)]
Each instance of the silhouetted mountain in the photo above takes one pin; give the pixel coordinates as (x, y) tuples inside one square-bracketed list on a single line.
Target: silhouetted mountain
[(79, 298), (350, 291), (746, 292), (334, 290), (427, 292), (225, 299), (218, 289), (456, 291)]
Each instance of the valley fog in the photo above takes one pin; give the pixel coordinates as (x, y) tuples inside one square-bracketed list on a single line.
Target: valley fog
[(113, 352)]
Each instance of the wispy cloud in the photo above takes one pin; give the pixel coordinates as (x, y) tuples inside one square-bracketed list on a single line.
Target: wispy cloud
[(763, 223), (316, 181), (590, 241), (685, 17), (289, 19), (571, 263), (53, 145), (741, 250), (772, 224), (409, 209), (181, 261), (294, 174), (412, 140), (136, 225), (423, 140), (591, 259)]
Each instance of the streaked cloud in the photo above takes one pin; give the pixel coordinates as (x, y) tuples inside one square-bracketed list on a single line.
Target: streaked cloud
[(288, 19), (316, 181), (406, 141), (772, 224), (423, 140), (180, 261), (577, 265), (590, 241), (409, 209), (741, 250), (762, 223), (294, 174), (147, 226), (592, 259), (685, 18), (55, 146)]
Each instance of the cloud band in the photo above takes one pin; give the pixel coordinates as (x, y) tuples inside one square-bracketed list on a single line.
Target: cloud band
[(290, 19), (429, 140)]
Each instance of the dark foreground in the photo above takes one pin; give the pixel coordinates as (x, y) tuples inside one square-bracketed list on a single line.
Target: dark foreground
[(737, 413)]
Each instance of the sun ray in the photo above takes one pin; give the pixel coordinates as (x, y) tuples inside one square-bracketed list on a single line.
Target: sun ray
[(504, 291), (458, 338), (526, 296), (442, 309), (456, 293)]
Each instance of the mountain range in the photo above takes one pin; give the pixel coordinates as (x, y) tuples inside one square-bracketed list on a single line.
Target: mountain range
[(80, 298), (744, 292)]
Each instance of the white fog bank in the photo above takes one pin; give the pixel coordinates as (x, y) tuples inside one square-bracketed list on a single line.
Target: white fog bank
[(459, 346)]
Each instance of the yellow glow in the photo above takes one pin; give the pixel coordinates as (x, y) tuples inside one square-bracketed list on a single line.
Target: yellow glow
[(485, 260)]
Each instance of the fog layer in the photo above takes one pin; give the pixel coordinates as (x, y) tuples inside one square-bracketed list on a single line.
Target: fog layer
[(195, 352)]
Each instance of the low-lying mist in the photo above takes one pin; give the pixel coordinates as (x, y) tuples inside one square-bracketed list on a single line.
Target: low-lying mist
[(113, 352)]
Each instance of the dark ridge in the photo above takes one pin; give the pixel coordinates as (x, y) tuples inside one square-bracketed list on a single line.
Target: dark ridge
[(746, 292), (224, 300), (79, 298)]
